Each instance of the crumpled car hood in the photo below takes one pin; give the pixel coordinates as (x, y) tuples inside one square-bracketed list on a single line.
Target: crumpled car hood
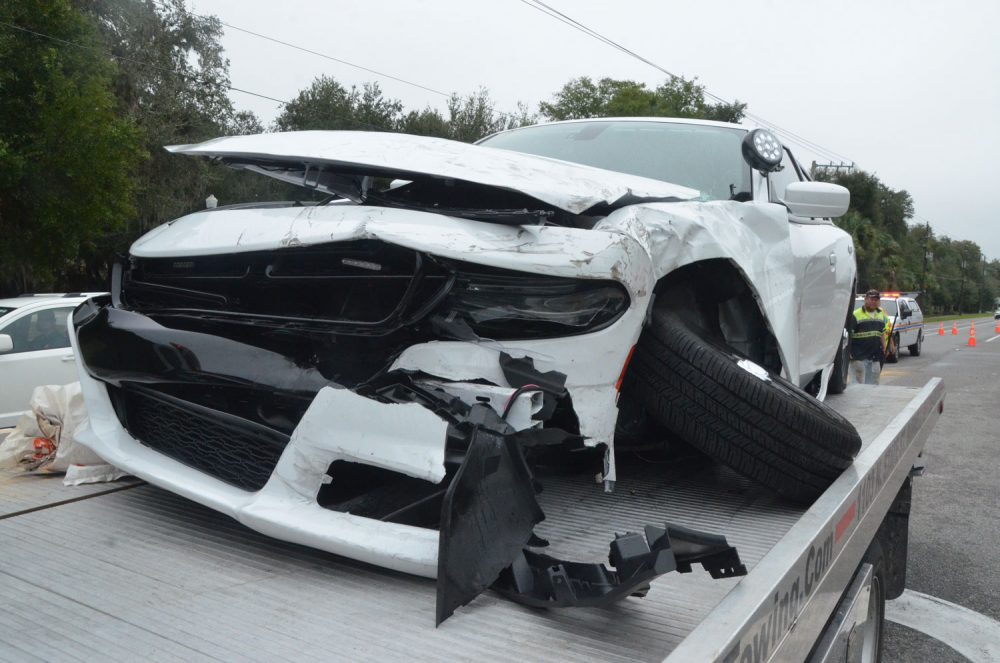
[(574, 188)]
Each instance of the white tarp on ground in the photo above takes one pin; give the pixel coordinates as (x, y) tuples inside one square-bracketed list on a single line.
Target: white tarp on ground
[(44, 440)]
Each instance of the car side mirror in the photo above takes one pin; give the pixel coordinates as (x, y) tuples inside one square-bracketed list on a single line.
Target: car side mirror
[(817, 199), (907, 313), (6, 343)]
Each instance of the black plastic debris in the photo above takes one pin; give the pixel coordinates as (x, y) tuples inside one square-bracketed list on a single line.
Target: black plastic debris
[(544, 581), (487, 517)]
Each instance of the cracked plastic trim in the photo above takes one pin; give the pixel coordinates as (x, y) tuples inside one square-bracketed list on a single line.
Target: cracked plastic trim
[(407, 438)]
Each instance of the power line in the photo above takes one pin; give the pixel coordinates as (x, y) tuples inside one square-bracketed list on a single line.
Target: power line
[(191, 77), (316, 53), (330, 57), (573, 23), (142, 62)]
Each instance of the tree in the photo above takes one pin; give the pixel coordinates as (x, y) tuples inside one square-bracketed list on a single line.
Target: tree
[(66, 156), (428, 122), (677, 97), (474, 116), (326, 104), (172, 81)]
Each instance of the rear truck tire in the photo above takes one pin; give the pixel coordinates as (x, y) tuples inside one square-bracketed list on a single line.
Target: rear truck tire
[(841, 366), (893, 356), (915, 348), (874, 632), (730, 408)]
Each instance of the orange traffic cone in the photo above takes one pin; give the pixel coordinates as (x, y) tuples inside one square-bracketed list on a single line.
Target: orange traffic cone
[(941, 330), (972, 335), (996, 329), (954, 329)]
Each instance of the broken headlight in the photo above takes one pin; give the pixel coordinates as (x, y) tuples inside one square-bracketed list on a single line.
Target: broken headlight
[(509, 305)]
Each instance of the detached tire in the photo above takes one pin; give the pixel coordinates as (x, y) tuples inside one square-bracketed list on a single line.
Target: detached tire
[(726, 406)]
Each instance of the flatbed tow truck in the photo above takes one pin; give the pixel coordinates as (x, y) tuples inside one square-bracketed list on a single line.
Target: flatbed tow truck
[(126, 571)]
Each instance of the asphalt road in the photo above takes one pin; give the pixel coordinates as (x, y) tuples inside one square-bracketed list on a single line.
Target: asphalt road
[(954, 549)]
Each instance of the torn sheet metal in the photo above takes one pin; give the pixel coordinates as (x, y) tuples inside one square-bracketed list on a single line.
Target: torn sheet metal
[(754, 237), (551, 250), (568, 186), (778, 259)]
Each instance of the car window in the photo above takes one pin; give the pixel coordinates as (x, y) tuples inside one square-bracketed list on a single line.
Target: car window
[(4, 310), (914, 306), (706, 158), (889, 306), (41, 330), (777, 181), (903, 306)]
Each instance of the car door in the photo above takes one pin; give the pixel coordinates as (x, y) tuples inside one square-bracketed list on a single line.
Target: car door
[(41, 355), (907, 332), (916, 318), (824, 262)]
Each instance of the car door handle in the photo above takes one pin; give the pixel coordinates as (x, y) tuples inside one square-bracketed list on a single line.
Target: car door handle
[(67, 357)]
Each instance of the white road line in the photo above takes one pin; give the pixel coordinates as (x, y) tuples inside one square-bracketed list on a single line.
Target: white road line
[(993, 339), (974, 636)]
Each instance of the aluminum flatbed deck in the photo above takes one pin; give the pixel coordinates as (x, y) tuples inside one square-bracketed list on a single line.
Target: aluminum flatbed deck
[(126, 571)]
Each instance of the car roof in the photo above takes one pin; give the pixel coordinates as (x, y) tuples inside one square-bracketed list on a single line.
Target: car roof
[(668, 120), (665, 120)]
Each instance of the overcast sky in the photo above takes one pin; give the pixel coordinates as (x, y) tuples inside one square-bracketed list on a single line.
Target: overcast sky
[(909, 90)]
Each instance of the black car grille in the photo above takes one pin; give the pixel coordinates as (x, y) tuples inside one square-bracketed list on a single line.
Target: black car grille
[(240, 452), (365, 286)]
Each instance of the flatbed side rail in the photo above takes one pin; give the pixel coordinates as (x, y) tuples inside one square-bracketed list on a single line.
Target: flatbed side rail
[(779, 610)]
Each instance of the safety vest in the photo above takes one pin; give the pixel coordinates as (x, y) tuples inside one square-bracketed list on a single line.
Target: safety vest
[(867, 333)]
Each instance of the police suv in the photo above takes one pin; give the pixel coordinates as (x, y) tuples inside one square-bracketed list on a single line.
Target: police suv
[(907, 321)]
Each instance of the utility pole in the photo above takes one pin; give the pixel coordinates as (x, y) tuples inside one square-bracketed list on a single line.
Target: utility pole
[(961, 290), (835, 167), (982, 287), (927, 255)]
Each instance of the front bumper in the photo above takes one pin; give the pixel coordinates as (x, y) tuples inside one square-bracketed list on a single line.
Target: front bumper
[(286, 507), (124, 355)]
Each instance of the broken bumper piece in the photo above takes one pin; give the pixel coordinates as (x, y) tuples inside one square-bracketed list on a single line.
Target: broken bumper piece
[(543, 581), (487, 519)]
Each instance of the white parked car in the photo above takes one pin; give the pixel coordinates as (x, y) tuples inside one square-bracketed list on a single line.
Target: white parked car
[(34, 348), (376, 374)]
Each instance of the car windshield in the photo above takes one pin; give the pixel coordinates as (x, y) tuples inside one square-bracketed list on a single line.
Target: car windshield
[(706, 158)]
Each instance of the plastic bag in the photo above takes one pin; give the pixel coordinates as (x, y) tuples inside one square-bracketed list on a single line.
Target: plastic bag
[(44, 439)]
